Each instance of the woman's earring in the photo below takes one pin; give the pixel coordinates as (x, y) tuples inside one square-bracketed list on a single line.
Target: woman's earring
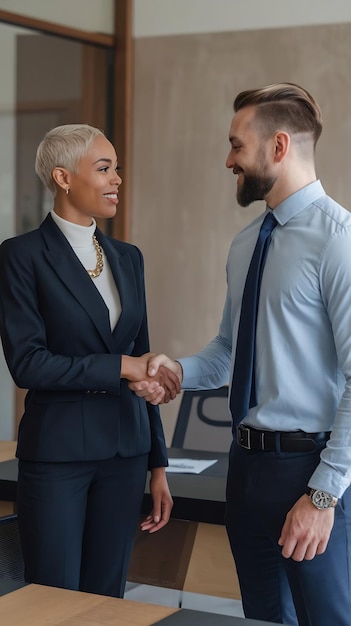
[(67, 191)]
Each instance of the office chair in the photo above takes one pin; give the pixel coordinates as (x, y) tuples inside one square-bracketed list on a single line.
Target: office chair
[(11, 561), (204, 421)]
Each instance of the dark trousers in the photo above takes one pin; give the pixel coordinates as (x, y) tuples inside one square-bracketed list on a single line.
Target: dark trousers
[(262, 487), (78, 520)]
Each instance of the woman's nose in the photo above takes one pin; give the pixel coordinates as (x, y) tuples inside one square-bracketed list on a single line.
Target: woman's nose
[(117, 179)]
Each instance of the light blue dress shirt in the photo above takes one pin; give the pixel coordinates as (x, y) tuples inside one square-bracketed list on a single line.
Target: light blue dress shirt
[(303, 342)]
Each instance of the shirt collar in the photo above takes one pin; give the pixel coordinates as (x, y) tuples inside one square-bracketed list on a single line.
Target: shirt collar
[(297, 202), (77, 235)]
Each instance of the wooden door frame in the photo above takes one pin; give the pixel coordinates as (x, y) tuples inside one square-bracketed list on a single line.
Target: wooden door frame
[(51, 28), (121, 73), (123, 115)]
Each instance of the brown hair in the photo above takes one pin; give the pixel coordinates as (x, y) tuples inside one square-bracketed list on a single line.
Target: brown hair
[(283, 106)]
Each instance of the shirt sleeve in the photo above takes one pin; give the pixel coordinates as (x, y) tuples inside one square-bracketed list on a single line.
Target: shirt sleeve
[(210, 368), (333, 474)]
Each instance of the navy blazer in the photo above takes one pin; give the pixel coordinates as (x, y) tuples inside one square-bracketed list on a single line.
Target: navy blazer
[(58, 344)]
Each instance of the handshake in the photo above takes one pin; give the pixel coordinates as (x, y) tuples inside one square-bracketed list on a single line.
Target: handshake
[(154, 377)]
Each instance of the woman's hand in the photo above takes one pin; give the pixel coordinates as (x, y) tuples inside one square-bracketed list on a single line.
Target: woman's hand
[(164, 384), (149, 388), (162, 501)]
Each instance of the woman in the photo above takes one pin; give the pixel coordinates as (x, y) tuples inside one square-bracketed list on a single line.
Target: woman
[(74, 327)]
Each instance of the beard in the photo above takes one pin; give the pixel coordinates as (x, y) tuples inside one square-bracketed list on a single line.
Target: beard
[(254, 187), (256, 183)]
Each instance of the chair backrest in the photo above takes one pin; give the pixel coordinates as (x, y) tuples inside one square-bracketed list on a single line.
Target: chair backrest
[(11, 560), (204, 421)]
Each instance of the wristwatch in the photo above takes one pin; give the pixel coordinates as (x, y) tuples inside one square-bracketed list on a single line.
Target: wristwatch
[(322, 499)]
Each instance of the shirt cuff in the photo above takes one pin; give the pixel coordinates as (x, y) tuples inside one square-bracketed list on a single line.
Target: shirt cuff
[(329, 480)]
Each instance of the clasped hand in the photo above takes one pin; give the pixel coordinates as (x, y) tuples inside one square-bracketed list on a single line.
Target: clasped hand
[(160, 380)]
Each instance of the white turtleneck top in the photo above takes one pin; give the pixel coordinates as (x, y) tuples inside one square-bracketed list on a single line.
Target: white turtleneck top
[(81, 240)]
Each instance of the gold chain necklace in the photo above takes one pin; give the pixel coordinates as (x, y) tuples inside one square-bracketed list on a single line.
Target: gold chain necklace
[(99, 260)]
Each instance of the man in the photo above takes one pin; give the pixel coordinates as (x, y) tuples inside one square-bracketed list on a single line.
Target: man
[(288, 502)]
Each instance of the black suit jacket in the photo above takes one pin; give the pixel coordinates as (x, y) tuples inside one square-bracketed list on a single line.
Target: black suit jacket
[(58, 344)]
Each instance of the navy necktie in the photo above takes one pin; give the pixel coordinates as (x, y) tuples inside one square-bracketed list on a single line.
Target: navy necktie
[(243, 392)]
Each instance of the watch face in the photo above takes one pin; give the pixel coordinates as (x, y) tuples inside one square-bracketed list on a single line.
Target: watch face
[(323, 500)]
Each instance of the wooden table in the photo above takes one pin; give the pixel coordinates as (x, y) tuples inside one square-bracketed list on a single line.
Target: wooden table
[(7, 453), (7, 450), (36, 605)]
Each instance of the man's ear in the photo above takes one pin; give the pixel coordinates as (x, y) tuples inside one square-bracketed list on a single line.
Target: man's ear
[(281, 146), (61, 177)]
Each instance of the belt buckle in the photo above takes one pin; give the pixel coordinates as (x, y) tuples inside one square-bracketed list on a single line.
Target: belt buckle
[(244, 437)]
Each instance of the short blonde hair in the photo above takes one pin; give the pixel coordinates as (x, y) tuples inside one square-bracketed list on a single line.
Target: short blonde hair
[(63, 146)]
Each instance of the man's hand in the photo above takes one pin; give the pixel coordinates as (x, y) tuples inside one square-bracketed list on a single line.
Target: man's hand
[(164, 384), (151, 388), (162, 501), (306, 530)]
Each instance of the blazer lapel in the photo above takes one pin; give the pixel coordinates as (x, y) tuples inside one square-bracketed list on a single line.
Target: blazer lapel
[(69, 269), (123, 273)]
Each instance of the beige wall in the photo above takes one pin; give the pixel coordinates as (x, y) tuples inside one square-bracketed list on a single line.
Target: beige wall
[(153, 18), (184, 208)]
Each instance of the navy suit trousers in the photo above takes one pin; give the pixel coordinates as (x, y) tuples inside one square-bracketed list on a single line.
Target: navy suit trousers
[(78, 520), (262, 487)]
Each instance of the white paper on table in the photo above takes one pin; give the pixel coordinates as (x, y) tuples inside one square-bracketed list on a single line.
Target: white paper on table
[(189, 466)]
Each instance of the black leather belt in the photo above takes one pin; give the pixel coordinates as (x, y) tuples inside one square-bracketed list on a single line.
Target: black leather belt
[(296, 441)]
